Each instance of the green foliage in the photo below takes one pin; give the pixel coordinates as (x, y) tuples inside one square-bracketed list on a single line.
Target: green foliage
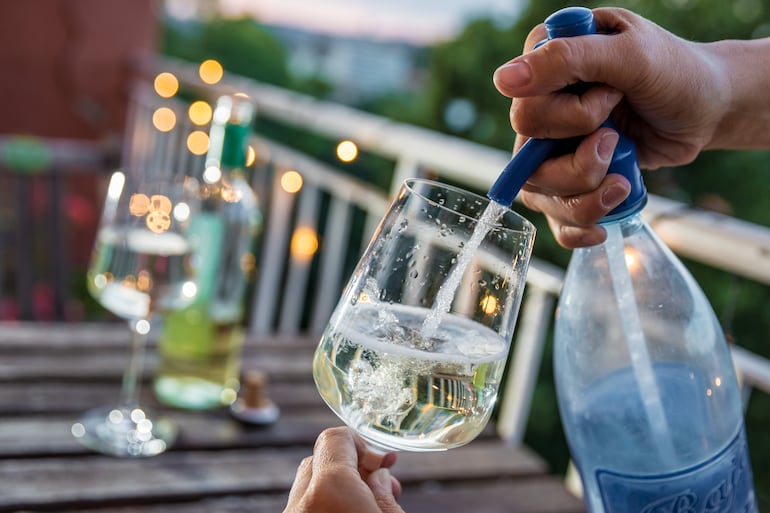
[(241, 45)]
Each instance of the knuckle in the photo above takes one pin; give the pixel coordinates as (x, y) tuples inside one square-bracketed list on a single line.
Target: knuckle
[(563, 54), (581, 213)]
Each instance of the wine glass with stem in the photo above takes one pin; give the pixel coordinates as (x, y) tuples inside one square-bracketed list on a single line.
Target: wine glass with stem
[(141, 265), (414, 352)]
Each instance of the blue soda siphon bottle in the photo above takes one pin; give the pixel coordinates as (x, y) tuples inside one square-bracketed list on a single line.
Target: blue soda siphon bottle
[(646, 387), (199, 348)]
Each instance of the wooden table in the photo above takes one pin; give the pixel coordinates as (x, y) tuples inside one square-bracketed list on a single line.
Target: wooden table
[(50, 373)]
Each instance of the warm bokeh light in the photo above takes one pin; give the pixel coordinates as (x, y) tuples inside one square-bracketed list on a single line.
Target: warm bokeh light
[(144, 281), (159, 215), (632, 259), (230, 194), (199, 112), (489, 304), (291, 181), (198, 142), (210, 71), (248, 263), (160, 203), (139, 204), (164, 119), (304, 243), (166, 84), (158, 222), (347, 151), (251, 156)]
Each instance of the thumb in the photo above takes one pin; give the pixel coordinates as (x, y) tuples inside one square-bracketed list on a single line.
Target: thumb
[(381, 484)]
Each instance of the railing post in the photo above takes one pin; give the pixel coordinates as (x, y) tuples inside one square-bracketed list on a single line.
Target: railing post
[(406, 167), (272, 260), (525, 364)]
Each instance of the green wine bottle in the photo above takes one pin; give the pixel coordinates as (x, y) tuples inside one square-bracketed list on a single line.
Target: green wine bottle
[(200, 346)]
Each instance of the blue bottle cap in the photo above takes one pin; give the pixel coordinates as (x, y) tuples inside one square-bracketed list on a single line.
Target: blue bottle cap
[(570, 22)]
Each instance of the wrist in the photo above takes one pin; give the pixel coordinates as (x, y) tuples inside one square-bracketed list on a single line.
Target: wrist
[(745, 78)]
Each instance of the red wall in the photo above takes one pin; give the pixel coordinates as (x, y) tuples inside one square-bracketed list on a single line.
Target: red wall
[(65, 65)]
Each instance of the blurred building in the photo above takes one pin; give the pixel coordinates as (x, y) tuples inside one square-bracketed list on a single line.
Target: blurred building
[(357, 68)]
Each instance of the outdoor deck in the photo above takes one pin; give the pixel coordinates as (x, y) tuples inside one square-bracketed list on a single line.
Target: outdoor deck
[(51, 373)]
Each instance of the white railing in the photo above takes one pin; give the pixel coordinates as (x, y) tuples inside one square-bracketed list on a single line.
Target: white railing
[(735, 246)]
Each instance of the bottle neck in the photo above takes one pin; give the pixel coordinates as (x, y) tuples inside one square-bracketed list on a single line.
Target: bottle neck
[(628, 224), (234, 146), (229, 135)]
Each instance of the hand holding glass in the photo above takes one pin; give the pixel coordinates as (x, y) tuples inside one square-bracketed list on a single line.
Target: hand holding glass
[(140, 265), (414, 352)]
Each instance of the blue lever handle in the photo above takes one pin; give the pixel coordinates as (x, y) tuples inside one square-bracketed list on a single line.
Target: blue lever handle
[(570, 22)]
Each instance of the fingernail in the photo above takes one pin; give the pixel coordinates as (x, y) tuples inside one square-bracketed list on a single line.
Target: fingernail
[(607, 145), (514, 74), (614, 194)]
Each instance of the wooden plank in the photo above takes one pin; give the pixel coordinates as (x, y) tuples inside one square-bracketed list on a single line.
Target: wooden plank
[(101, 365), (20, 335), (542, 494), (55, 397), (32, 436), (176, 475)]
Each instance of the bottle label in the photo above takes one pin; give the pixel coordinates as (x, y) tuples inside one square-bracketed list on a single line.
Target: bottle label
[(723, 484)]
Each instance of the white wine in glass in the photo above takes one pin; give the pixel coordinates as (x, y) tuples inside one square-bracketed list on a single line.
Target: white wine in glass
[(141, 265), (414, 353)]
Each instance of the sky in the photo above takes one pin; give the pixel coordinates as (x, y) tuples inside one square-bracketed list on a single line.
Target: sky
[(421, 21)]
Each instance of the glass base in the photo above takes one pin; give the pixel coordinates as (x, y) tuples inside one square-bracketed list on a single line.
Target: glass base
[(126, 432)]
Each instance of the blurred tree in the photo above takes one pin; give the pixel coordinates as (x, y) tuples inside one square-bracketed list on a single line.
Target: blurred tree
[(242, 46)]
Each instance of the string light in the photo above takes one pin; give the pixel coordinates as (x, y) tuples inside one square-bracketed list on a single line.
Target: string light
[(199, 112), (291, 181), (166, 84), (198, 142), (347, 151), (210, 71), (304, 243), (164, 119)]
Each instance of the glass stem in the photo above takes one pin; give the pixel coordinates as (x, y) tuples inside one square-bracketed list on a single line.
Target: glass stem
[(132, 376)]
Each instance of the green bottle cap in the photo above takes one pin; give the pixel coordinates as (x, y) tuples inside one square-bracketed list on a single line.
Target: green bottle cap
[(235, 145), (230, 131)]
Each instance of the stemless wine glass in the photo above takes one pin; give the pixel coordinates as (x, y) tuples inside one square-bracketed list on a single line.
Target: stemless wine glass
[(140, 265), (414, 352)]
